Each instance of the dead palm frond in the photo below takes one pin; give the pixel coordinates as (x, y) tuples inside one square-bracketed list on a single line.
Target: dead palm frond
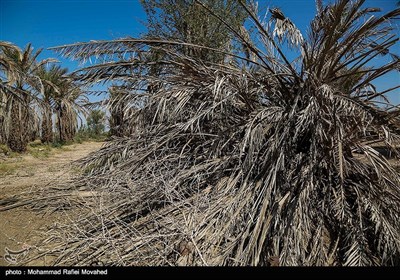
[(237, 165)]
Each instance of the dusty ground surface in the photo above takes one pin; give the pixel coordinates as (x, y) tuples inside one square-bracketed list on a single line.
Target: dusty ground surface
[(18, 226)]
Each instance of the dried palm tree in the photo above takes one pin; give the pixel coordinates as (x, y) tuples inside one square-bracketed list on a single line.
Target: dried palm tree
[(251, 162)]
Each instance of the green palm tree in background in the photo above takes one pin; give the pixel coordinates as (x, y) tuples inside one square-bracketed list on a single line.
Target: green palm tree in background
[(54, 79), (21, 88), (31, 91), (63, 96), (70, 101)]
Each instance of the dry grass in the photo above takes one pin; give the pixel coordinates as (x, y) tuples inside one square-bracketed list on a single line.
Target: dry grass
[(7, 169)]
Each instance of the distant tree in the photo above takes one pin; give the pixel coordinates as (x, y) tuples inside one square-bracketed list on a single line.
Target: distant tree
[(96, 121), (189, 22)]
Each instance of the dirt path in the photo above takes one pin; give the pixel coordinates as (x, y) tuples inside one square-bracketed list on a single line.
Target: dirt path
[(17, 226)]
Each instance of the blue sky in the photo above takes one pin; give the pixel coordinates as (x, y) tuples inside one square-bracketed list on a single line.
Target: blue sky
[(49, 23)]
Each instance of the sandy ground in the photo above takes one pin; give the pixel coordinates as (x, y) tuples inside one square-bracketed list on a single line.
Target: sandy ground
[(18, 226)]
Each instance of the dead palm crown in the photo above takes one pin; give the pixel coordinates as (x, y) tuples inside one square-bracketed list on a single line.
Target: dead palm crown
[(249, 159)]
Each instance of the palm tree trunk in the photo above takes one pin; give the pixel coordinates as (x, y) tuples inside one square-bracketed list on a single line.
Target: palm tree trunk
[(70, 125), (34, 128), (3, 134), (17, 139), (66, 125), (3, 119), (61, 130), (47, 125)]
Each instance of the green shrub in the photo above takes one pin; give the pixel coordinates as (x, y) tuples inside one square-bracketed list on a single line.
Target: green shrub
[(4, 149), (7, 169)]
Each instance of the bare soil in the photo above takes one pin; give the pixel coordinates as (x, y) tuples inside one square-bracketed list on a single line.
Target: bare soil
[(19, 226)]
